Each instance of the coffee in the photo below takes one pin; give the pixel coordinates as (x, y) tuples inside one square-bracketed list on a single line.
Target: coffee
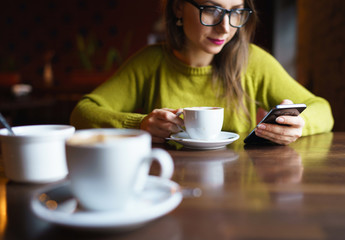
[(203, 108), (97, 139)]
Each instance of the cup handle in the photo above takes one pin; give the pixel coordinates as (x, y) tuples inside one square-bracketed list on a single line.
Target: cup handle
[(165, 161)]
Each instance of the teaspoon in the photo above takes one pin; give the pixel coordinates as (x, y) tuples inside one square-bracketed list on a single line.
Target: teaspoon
[(7, 126)]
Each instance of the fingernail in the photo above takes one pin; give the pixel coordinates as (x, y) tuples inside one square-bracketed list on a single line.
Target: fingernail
[(262, 126), (280, 120), (258, 131), (179, 113)]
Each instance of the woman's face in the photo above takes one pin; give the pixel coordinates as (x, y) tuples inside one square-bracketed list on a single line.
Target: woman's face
[(202, 39)]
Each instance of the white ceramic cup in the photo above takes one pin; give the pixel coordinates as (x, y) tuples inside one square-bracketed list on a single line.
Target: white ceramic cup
[(36, 154), (203, 123), (109, 167)]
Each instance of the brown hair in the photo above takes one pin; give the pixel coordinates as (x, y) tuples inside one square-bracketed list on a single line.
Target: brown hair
[(229, 64)]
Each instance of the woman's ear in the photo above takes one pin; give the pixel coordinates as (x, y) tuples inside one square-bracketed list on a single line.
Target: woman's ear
[(178, 8)]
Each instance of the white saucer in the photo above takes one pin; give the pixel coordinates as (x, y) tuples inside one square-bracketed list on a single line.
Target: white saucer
[(159, 197), (222, 140)]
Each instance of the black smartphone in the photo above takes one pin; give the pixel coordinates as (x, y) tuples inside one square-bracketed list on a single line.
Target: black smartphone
[(279, 110)]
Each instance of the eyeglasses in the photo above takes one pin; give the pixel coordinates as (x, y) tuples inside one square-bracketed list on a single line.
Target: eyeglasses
[(213, 15)]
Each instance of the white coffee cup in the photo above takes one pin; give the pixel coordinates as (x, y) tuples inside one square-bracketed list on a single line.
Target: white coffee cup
[(203, 123), (36, 153), (109, 167)]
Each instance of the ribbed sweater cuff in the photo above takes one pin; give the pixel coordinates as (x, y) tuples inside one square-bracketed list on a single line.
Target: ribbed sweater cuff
[(133, 121)]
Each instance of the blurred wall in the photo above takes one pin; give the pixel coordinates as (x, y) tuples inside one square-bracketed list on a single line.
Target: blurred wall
[(31, 30), (285, 34), (321, 52), (277, 31)]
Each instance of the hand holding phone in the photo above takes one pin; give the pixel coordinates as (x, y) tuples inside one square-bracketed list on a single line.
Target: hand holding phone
[(279, 110)]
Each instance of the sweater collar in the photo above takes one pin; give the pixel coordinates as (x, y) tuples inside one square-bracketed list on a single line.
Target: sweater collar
[(184, 68)]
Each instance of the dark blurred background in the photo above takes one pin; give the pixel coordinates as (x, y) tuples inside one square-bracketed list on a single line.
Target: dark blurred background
[(63, 49)]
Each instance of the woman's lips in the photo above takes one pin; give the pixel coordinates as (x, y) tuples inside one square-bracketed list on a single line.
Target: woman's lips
[(216, 41)]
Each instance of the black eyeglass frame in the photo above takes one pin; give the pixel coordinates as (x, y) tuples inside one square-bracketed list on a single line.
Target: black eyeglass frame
[(224, 11)]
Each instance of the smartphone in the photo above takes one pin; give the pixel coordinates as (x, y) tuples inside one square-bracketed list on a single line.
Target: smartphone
[(279, 110)]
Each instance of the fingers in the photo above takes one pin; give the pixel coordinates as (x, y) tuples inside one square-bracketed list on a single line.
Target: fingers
[(158, 127), (282, 134), (160, 123), (286, 101), (281, 137), (293, 121), (169, 115)]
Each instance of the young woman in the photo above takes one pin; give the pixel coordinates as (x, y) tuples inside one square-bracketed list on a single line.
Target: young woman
[(207, 60)]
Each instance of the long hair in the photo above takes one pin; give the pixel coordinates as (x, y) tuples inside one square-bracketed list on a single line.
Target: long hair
[(229, 64)]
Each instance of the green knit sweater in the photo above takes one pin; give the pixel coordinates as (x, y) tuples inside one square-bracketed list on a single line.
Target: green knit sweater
[(154, 78)]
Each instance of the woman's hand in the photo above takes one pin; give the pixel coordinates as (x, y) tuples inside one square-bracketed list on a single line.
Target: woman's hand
[(160, 123), (280, 134)]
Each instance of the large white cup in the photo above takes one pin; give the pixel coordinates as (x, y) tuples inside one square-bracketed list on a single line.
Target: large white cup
[(203, 123), (109, 167), (36, 154)]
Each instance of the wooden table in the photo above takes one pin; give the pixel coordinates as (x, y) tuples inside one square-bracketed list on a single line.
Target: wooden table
[(272, 192)]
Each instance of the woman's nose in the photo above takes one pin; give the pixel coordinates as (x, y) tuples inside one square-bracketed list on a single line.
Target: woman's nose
[(224, 25)]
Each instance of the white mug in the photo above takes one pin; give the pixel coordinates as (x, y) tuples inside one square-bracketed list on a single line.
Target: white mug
[(36, 153), (109, 167), (203, 123)]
